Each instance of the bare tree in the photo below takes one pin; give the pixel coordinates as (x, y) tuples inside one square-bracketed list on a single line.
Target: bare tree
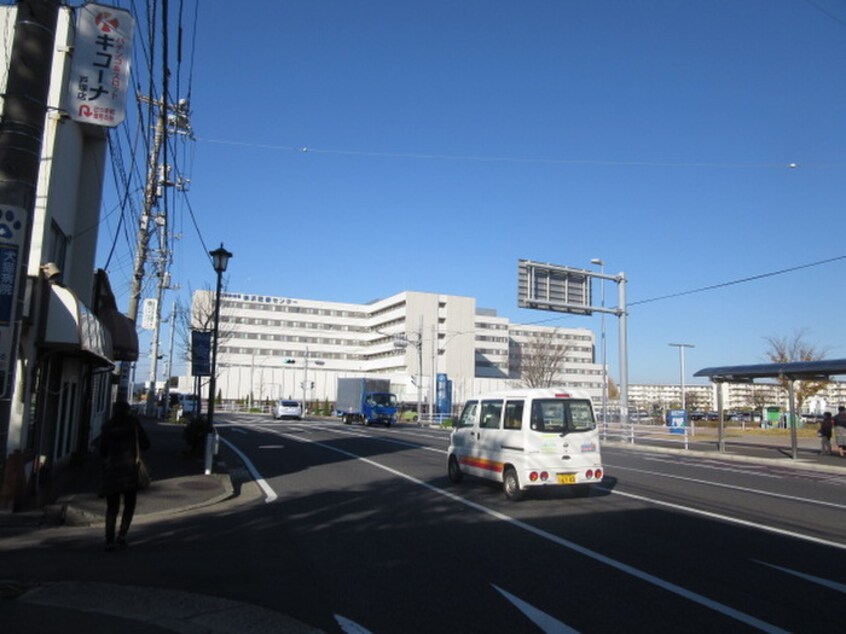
[(540, 358), (613, 390), (792, 349), (200, 316)]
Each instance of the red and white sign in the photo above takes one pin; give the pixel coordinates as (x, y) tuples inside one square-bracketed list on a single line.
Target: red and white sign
[(99, 77)]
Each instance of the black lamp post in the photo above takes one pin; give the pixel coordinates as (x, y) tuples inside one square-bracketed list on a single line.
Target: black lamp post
[(220, 259)]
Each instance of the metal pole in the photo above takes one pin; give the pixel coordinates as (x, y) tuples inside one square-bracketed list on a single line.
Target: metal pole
[(721, 443), (624, 354), (681, 347), (305, 379), (601, 264), (420, 371), (791, 395), (213, 377), (434, 369)]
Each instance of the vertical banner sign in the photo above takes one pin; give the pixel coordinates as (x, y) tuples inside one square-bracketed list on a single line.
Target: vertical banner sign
[(99, 76), (12, 228), (444, 394), (201, 353), (148, 313)]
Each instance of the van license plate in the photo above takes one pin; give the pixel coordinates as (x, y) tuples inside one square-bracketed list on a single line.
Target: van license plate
[(566, 478)]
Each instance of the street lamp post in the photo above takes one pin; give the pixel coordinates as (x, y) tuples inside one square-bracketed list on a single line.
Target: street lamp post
[(681, 347), (220, 260), (601, 264)]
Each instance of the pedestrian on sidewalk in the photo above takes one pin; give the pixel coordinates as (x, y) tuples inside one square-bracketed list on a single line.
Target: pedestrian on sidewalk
[(825, 434), (840, 430), (121, 443)]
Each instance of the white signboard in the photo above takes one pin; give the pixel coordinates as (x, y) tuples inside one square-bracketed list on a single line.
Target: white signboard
[(99, 76), (12, 229), (148, 316)]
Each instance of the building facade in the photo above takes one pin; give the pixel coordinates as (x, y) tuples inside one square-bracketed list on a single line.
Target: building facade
[(280, 347), (70, 333)]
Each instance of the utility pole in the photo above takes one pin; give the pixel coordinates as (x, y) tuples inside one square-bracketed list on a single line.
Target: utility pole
[(21, 138), (163, 283), (143, 239), (169, 371)]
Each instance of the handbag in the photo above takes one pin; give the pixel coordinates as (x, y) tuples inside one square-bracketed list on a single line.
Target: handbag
[(144, 479), (143, 475)]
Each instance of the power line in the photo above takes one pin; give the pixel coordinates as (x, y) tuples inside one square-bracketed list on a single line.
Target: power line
[(739, 281), (518, 160)]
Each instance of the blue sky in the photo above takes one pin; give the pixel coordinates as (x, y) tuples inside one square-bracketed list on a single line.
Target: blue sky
[(347, 151)]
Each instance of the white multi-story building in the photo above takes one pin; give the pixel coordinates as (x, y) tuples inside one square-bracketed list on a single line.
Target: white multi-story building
[(272, 347), (735, 396)]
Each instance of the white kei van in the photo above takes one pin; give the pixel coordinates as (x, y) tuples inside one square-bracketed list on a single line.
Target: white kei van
[(528, 438)]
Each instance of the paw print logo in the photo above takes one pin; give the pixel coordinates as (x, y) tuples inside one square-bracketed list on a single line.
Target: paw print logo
[(10, 225)]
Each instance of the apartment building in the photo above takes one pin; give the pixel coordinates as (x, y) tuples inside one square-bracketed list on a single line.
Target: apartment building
[(272, 347), (735, 396)]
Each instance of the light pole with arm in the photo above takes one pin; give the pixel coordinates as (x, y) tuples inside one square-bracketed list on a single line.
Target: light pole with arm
[(681, 347), (601, 264)]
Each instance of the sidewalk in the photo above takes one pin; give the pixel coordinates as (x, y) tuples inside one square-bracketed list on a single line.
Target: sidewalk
[(178, 481), (178, 486), (749, 448)]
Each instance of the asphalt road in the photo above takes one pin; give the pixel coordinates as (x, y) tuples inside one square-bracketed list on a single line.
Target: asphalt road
[(666, 543), (359, 529)]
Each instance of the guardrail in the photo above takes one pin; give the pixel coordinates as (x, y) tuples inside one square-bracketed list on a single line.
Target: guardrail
[(634, 433), (434, 419)]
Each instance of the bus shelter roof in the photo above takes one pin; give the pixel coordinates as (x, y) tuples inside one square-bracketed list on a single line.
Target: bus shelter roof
[(797, 370)]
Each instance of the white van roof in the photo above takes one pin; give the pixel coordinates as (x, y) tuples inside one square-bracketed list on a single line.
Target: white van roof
[(538, 392)]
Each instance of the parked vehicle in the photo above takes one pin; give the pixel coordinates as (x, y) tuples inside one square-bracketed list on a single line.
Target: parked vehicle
[(366, 401), (187, 404), (528, 438), (285, 408)]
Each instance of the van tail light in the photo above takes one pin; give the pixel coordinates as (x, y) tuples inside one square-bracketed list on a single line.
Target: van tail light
[(598, 474), (589, 474), (544, 476), (533, 476)]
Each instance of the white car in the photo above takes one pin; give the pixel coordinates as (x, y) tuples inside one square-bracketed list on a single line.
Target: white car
[(287, 409), (527, 438)]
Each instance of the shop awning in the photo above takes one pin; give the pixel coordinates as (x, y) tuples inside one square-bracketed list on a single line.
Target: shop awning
[(121, 327), (124, 335), (73, 327)]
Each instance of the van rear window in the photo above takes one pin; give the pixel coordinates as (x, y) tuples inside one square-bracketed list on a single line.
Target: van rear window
[(561, 416)]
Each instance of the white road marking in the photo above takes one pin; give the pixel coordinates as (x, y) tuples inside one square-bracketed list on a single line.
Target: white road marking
[(271, 446), (350, 627), (544, 621), (730, 612), (733, 487), (717, 466), (727, 518), (269, 493), (834, 585)]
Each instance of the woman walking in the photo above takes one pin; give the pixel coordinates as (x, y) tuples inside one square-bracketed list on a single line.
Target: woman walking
[(121, 443), (825, 434)]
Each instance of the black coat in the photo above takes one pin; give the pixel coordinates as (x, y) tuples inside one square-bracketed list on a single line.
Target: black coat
[(121, 438)]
